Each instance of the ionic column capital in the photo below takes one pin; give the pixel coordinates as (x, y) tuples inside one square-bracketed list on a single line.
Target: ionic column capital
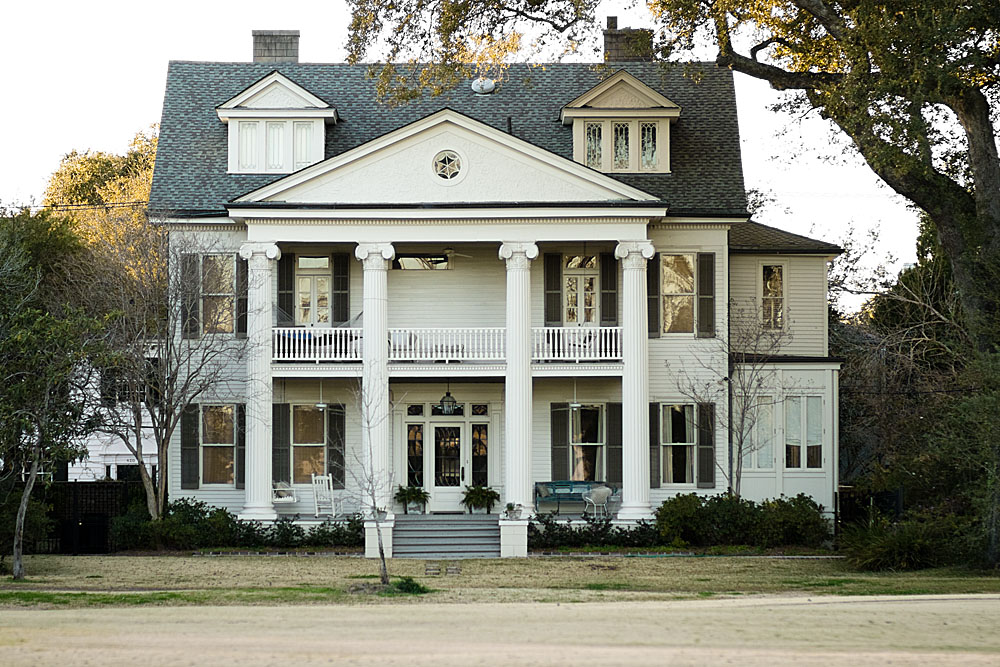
[(267, 249), (374, 256), (634, 253), (518, 255)]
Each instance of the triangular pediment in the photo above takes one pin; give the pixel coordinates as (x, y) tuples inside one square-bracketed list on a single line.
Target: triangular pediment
[(404, 167), (274, 91), (620, 92)]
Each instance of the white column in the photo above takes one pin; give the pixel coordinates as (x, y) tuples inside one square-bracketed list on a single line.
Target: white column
[(260, 259), (635, 380), (517, 414), (376, 452)]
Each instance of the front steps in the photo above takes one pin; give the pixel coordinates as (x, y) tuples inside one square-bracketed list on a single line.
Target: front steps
[(446, 536)]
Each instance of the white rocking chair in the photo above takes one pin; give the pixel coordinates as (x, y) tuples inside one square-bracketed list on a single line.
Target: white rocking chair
[(324, 501)]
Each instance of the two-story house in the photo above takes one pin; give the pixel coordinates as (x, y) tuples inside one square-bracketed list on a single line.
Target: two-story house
[(497, 286)]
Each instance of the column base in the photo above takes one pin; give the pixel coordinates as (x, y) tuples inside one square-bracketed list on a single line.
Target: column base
[(514, 538), (257, 513), (634, 513), (371, 538)]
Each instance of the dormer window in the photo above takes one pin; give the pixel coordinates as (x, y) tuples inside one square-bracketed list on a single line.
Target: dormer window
[(622, 126), (275, 127)]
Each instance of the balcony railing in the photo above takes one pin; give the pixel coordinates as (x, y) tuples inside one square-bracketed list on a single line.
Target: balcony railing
[(471, 344), (576, 343), (315, 344)]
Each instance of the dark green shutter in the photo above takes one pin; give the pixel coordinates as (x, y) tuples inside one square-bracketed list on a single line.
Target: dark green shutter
[(653, 295), (706, 294), (706, 445), (341, 262), (559, 436), (286, 290), (553, 289), (242, 296), (241, 446), (614, 444), (281, 466), (609, 290), (190, 292), (189, 446), (654, 446), (335, 445)]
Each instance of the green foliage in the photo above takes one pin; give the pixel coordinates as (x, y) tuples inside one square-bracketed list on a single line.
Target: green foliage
[(786, 521), (480, 497), (405, 495), (913, 544), (408, 586), (192, 524), (545, 531), (37, 524)]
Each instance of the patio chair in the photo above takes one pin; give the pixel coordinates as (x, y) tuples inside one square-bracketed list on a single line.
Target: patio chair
[(283, 492), (598, 497), (324, 502)]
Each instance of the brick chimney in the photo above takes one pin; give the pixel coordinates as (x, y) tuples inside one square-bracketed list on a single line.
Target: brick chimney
[(627, 44), (276, 46)]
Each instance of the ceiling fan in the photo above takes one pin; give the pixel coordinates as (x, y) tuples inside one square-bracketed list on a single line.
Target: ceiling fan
[(450, 252)]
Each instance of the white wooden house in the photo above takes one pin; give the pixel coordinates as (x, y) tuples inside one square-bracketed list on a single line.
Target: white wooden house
[(548, 254)]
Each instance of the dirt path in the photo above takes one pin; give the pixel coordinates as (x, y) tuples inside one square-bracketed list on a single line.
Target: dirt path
[(938, 630)]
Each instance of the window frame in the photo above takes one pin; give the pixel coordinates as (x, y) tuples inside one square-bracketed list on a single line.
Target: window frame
[(312, 274), (202, 444), (751, 458), (250, 145), (803, 443), (665, 447), (203, 295), (634, 138), (581, 272), (601, 470), (783, 299), (693, 295), (292, 444)]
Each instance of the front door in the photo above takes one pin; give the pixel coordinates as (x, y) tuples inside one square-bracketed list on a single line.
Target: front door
[(449, 468)]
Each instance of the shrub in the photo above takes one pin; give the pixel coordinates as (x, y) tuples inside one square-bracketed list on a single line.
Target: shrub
[(37, 524), (729, 520), (787, 521), (680, 520), (912, 544), (284, 532), (546, 532)]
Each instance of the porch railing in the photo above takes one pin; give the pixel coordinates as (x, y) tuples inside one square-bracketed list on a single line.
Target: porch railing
[(466, 344), (576, 343), (315, 344)]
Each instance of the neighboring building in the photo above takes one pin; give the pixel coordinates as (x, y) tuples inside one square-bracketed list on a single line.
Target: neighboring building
[(549, 255)]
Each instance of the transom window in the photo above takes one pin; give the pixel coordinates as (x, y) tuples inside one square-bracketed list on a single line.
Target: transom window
[(758, 446), (218, 444), (218, 293), (678, 442), (772, 303), (804, 431), (308, 443), (677, 288), (587, 443)]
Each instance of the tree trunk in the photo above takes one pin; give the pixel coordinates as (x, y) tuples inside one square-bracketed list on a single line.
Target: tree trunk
[(22, 510), (383, 573)]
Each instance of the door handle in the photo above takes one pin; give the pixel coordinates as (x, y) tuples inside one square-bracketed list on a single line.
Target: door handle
[(463, 473)]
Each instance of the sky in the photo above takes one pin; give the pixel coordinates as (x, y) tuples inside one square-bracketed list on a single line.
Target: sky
[(90, 75)]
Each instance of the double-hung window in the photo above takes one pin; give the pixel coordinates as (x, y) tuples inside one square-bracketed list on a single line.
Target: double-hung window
[(312, 291), (218, 293), (678, 433), (581, 295), (677, 290), (587, 443), (804, 432), (218, 444), (773, 296), (308, 443), (758, 443)]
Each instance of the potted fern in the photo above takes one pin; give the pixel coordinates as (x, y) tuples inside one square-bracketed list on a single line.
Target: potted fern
[(412, 497), (479, 497)]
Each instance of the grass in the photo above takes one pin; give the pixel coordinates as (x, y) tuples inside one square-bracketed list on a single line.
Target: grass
[(83, 581)]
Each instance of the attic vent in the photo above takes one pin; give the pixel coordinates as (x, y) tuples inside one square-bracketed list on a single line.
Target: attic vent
[(483, 86), (447, 165)]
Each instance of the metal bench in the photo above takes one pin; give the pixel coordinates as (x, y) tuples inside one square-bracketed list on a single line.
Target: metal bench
[(562, 491)]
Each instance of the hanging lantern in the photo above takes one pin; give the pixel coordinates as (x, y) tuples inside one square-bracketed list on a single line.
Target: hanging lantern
[(448, 404)]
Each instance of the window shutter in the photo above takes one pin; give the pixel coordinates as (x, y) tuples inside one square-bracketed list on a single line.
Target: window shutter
[(559, 435), (335, 445), (286, 290), (653, 295), (706, 294), (341, 284), (614, 444), (241, 446), (189, 447), (609, 290), (706, 445), (654, 446), (190, 291), (281, 442), (242, 296), (553, 289)]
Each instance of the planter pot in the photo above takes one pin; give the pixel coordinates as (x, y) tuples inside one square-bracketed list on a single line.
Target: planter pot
[(513, 515), (478, 510), (414, 508)]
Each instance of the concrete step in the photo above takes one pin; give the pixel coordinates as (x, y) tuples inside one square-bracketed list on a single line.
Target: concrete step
[(446, 536)]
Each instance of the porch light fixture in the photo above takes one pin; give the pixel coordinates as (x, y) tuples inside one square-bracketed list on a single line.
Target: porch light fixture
[(321, 405), (448, 402), (575, 405)]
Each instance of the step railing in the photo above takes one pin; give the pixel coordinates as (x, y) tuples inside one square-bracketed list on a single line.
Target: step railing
[(576, 343), (315, 344), (454, 344)]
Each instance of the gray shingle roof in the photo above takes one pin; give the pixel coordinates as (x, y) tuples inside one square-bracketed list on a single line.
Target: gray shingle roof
[(707, 178), (753, 237)]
